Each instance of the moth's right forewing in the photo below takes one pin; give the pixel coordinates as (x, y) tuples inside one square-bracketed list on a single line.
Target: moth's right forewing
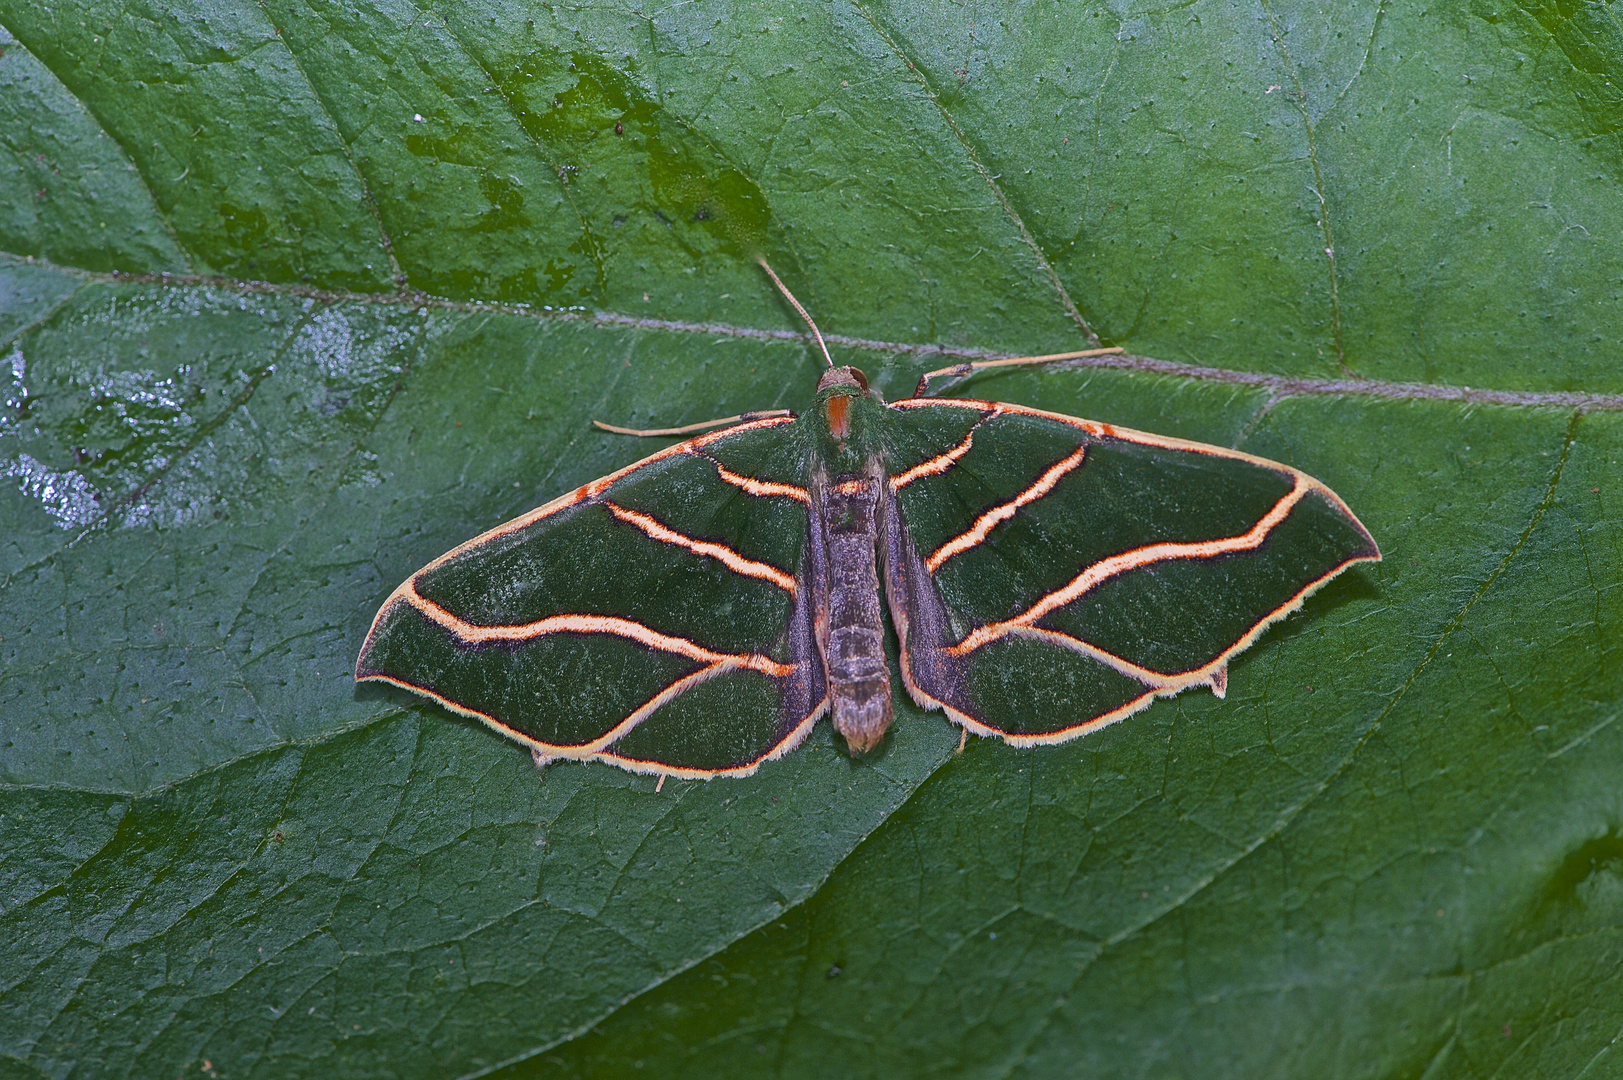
[(653, 619)]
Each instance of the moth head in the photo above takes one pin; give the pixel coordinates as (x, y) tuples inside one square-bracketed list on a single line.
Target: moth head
[(843, 376)]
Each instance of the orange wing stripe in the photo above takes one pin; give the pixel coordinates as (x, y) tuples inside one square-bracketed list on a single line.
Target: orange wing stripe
[(473, 634), (723, 554), (939, 464), (548, 752), (1154, 679), (783, 746), (588, 492), (692, 446), (652, 705), (992, 518), (752, 486), (1105, 569)]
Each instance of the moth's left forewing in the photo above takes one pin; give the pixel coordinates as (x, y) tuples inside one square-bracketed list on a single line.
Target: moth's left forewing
[(652, 619), (1053, 575)]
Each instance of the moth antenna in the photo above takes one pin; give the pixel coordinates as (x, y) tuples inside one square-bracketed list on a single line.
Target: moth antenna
[(784, 289)]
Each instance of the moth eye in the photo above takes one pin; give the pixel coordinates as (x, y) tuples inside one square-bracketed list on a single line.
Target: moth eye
[(862, 380)]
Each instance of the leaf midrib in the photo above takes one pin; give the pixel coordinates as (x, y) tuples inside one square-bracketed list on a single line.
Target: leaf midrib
[(1279, 386)]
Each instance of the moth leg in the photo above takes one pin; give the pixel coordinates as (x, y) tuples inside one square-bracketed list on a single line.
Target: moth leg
[(961, 371), (661, 784), (688, 429), (963, 738), (542, 760)]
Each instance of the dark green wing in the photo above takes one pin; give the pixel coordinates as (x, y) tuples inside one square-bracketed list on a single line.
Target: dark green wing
[(1050, 575), (651, 619)]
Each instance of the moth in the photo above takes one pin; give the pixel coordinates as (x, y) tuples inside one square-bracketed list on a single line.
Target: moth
[(694, 614)]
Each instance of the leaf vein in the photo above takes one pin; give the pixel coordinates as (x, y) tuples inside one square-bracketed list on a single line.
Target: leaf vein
[(384, 242), (1286, 386), (123, 151), (1030, 242)]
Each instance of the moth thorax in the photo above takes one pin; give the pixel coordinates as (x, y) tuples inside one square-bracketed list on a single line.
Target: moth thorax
[(838, 406), (839, 417)]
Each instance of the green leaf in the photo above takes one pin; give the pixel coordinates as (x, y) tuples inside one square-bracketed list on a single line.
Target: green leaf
[(1392, 851)]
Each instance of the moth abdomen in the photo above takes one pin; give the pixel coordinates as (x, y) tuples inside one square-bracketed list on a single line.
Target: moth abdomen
[(846, 514)]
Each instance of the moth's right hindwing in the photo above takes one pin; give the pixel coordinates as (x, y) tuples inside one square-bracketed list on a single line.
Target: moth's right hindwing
[(652, 619), (1051, 575)]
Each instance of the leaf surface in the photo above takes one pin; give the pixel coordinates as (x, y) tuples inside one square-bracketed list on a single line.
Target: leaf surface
[(294, 298)]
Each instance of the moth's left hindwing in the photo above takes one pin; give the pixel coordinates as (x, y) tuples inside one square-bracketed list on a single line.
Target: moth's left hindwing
[(1050, 575), (652, 619)]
